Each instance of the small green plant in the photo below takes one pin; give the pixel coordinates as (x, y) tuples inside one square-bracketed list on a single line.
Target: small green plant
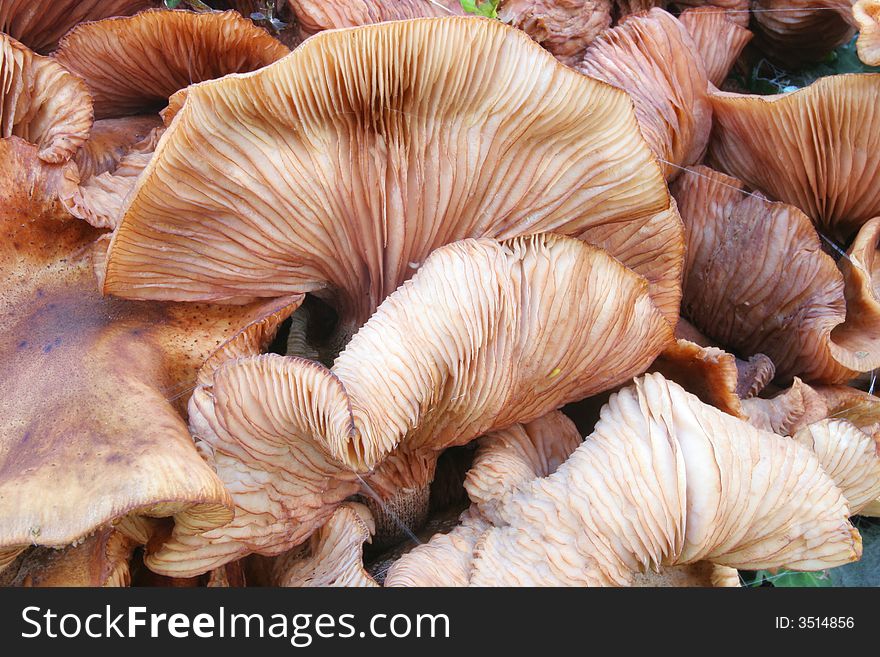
[(787, 579), (197, 5), (489, 8)]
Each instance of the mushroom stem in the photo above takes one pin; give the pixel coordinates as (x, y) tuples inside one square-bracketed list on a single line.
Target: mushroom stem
[(399, 516)]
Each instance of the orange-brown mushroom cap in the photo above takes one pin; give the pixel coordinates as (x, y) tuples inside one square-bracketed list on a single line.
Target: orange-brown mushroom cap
[(41, 23), (817, 148), (757, 281), (485, 335), (315, 16), (309, 175), (41, 102), (652, 57), (91, 430), (133, 65), (866, 14)]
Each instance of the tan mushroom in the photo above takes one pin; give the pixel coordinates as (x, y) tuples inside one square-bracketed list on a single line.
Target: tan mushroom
[(460, 356), (295, 183), (665, 480), (817, 148), (787, 412), (101, 559), (133, 65), (866, 14), (757, 281), (316, 16), (94, 388), (41, 23), (652, 57), (41, 102)]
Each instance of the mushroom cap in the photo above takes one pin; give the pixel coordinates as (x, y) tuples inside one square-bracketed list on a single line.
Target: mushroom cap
[(667, 480), (866, 13), (702, 574), (718, 38), (90, 404), (133, 65), (735, 10), (485, 335), (757, 281), (41, 102), (652, 57), (817, 148), (564, 27), (41, 23), (308, 174), (849, 456), (798, 32), (333, 555)]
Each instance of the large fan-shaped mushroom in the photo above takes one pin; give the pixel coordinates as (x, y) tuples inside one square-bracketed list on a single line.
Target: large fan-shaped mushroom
[(309, 175), (485, 335), (757, 281), (93, 388), (817, 148)]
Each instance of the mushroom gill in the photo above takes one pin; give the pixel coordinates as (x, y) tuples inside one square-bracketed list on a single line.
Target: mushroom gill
[(485, 335), (309, 176)]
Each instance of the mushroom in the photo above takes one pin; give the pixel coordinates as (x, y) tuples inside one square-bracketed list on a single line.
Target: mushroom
[(41, 23), (99, 560), (735, 10), (757, 281), (296, 182), (817, 148), (652, 57), (132, 65), (563, 27), (41, 103), (866, 14), (798, 32), (788, 411), (718, 37), (666, 480), (94, 387), (849, 456), (480, 338), (333, 555)]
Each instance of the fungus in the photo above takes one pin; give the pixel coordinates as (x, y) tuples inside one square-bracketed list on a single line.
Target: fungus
[(284, 180), (817, 148), (757, 281), (480, 338), (718, 38), (653, 59), (866, 14)]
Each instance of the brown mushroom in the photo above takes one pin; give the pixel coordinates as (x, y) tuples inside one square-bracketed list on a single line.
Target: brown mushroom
[(757, 281), (480, 338), (652, 57), (817, 148), (94, 387), (284, 180), (316, 16), (41, 23), (133, 65)]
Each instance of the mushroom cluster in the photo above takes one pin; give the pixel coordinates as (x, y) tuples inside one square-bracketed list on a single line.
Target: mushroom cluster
[(360, 293)]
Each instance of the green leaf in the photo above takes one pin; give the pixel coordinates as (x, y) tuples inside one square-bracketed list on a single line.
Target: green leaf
[(791, 579), (172, 4), (489, 9)]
